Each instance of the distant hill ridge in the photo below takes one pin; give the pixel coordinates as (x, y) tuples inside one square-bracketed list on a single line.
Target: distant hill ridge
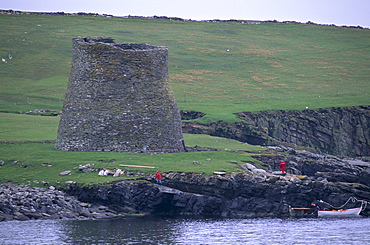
[(16, 12)]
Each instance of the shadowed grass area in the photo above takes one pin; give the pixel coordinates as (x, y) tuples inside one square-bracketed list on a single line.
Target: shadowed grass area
[(220, 143)]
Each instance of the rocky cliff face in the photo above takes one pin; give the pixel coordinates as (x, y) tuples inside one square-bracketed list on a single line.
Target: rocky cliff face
[(340, 131), (257, 192)]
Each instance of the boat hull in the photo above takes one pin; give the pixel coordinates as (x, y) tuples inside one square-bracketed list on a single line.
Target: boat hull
[(343, 213)]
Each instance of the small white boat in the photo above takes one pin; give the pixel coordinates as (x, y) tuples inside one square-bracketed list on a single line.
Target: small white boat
[(341, 213)]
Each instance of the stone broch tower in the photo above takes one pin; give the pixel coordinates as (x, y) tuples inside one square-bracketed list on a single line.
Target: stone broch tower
[(119, 99)]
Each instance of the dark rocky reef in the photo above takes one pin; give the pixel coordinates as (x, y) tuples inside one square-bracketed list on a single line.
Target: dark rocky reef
[(340, 131)]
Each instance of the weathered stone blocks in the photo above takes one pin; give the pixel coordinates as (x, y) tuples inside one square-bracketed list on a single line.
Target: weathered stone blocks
[(119, 99)]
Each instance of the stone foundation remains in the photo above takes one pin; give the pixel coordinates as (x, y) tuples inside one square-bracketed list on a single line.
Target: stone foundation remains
[(119, 99)]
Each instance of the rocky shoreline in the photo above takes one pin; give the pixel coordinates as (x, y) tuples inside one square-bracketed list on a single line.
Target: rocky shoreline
[(259, 191), (20, 202)]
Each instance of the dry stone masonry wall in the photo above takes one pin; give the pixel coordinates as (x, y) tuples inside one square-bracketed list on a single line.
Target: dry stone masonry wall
[(119, 99)]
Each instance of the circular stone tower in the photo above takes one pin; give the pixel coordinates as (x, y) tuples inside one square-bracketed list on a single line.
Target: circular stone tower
[(119, 99)]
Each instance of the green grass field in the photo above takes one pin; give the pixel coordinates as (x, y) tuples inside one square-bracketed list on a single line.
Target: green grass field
[(33, 156), (240, 67), (215, 68)]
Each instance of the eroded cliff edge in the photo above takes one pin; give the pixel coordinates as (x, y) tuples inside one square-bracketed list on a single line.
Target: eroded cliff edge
[(343, 131)]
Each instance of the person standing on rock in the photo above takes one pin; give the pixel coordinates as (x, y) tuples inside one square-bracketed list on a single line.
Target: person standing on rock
[(314, 208), (283, 167), (158, 176)]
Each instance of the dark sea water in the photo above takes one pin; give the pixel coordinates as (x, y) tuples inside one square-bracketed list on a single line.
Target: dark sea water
[(186, 230)]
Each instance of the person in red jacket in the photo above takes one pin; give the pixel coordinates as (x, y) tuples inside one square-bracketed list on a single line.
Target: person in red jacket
[(158, 176), (283, 167)]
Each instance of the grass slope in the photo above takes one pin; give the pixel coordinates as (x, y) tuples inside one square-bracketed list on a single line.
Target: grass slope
[(216, 68), (237, 66)]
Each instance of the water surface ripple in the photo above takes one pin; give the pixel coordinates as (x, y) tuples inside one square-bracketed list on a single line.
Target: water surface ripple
[(187, 230)]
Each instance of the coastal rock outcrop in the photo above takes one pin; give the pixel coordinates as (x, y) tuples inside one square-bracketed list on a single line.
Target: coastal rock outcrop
[(19, 202), (340, 131), (257, 190), (264, 193)]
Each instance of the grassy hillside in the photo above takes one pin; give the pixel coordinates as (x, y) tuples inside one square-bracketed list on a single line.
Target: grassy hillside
[(238, 67), (215, 68)]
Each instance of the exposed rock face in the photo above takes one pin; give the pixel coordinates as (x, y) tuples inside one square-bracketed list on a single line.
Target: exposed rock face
[(119, 98), (188, 115), (256, 193), (339, 131), (25, 203)]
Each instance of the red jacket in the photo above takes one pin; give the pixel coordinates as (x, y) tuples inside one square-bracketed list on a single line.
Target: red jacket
[(158, 175), (282, 165)]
